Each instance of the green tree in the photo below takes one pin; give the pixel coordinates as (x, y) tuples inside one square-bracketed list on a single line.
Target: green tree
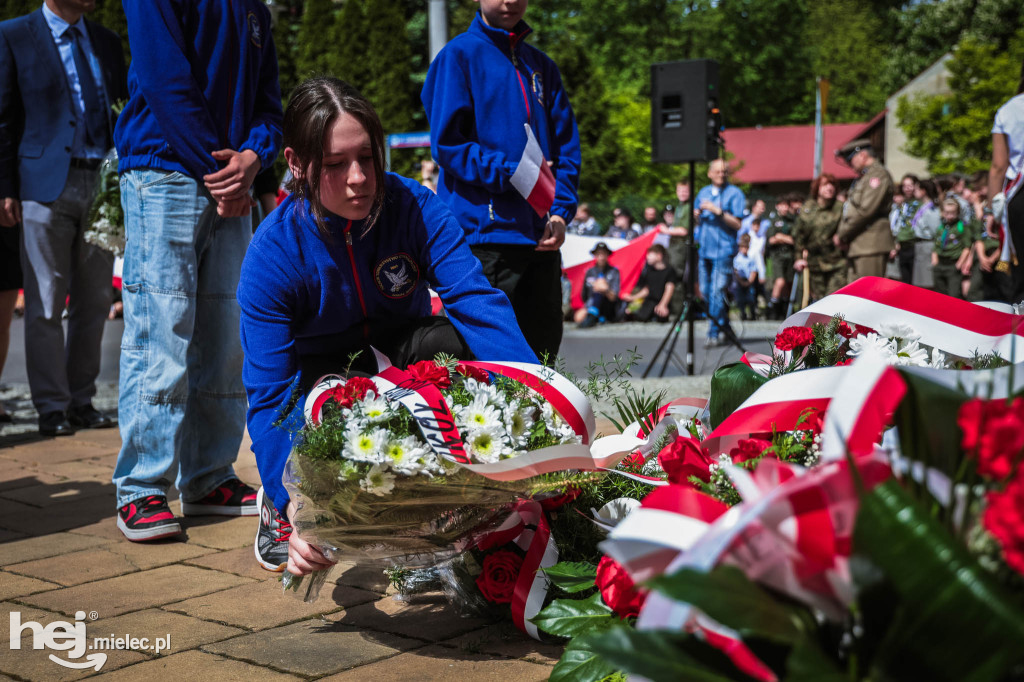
[(312, 52), (953, 132), (349, 57)]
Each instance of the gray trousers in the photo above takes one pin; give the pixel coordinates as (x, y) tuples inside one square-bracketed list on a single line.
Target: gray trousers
[(59, 266)]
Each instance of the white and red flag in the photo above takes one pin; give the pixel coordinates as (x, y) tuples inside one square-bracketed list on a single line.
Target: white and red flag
[(533, 177)]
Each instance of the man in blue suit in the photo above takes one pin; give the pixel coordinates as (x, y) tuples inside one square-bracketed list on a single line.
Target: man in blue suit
[(59, 76)]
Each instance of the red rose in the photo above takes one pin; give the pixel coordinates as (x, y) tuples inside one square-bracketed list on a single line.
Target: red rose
[(559, 498), (633, 462), (617, 589), (843, 361), (497, 582), (993, 432), (684, 457), (473, 373), (748, 449), (431, 372), (1004, 518), (791, 338), (844, 330)]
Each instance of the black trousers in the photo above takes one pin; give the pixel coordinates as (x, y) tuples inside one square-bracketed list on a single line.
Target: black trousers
[(1015, 219), (905, 258), (418, 340), (532, 280)]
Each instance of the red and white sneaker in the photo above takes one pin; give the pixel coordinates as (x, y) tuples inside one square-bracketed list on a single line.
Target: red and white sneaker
[(148, 518), (230, 498)]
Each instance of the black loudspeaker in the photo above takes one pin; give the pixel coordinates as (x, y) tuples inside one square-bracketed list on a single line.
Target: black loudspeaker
[(685, 119)]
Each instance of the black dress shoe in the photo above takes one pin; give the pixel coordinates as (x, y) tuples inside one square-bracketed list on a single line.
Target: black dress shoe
[(88, 417), (55, 424)]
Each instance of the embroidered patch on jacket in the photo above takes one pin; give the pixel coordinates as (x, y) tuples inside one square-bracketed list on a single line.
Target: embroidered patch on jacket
[(537, 85), (255, 30), (396, 275)]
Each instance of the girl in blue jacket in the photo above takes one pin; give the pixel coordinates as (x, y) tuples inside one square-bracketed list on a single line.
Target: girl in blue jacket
[(344, 264)]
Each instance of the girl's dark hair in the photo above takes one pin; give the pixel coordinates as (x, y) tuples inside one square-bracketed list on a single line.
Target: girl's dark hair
[(821, 179), (931, 190), (313, 108)]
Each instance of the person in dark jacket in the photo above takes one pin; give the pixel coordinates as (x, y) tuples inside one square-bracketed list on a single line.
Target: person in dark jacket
[(483, 91), (343, 265), (60, 75), (203, 117)]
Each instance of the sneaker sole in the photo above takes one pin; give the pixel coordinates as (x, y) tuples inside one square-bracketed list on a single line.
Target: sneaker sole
[(267, 566), (196, 509), (165, 530)]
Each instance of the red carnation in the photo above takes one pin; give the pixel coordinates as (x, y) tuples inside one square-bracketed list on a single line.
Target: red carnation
[(431, 372), (1004, 519), (993, 432), (634, 461), (843, 362), (473, 373), (748, 449), (812, 420), (559, 498), (618, 590), (497, 582), (684, 457), (844, 330), (791, 338), (352, 390)]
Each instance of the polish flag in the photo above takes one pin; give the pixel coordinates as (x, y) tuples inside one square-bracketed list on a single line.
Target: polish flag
[(533, 177)]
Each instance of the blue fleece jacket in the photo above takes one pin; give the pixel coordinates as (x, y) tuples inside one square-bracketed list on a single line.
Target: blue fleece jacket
[(203, 77), (480, 90), (301, 294)]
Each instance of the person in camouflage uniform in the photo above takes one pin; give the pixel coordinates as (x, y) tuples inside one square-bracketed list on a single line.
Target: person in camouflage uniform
[(781, 254), (813, 233), (865, 231), (952, 256)]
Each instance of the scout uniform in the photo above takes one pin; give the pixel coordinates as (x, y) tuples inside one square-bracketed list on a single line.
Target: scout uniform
[(780, 256), (815, 227), (865, 225), (950, 242)]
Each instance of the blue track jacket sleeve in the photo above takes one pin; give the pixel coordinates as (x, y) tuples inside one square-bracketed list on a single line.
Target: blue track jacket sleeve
[(449, 106), (165, 78), (265, 131), (481, 313), (270, 371), (567, 140)]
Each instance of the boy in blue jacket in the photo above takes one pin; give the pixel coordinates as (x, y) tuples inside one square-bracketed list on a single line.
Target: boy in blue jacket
[(480, 91), (204, 115)]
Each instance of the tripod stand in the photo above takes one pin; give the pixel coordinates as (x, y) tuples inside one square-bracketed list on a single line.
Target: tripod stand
[(691, 305)]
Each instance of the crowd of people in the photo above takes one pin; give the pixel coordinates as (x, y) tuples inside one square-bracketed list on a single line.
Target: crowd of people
[(226, 330), (790, 251)]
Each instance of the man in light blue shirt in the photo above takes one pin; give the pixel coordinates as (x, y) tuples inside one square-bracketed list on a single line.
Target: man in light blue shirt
[(59, 76), (721, 208)]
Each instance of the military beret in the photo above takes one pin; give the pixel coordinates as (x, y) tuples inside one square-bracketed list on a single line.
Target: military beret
[(852, 147)]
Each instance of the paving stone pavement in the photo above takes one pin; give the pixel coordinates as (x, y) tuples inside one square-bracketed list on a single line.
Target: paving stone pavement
[(225, 618)]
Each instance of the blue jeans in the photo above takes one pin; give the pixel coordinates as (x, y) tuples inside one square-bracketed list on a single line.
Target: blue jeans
[(182, 406), (715, 274)]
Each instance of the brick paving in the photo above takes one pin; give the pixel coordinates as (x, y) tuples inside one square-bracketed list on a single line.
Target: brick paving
[(60, 553)]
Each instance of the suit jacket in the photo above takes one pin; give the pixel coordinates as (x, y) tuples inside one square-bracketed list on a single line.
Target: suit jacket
[(37, 116), (865, 223)]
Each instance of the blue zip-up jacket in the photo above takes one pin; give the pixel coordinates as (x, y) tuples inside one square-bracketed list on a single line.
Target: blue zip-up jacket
[(480, 90), (203, 77), (301, 294)]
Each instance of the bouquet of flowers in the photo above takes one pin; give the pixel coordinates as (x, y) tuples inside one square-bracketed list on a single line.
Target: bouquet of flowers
[(106, 218), (412, 466)]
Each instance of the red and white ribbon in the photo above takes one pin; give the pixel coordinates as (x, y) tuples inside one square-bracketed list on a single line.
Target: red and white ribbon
[(950, 324)]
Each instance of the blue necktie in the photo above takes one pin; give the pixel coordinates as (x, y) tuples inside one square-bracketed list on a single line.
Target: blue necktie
[(95, 111)]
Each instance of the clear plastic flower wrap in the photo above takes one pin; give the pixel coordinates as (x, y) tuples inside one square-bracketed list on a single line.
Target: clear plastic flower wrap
[(409, 466)]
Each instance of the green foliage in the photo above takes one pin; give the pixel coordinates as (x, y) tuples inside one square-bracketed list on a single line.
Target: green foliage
[(636, 407), (580, 663), (661, 655), (572, 576), (311, 54), (573, 617), (953, 132)]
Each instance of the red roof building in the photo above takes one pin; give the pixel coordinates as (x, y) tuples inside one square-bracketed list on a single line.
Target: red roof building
[(777, 159)]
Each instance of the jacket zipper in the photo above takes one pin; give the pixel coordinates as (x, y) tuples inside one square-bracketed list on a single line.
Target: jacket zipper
[(515, 66), (355, 277)]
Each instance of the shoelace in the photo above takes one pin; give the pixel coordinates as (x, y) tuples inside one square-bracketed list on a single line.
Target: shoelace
[(284, 530)]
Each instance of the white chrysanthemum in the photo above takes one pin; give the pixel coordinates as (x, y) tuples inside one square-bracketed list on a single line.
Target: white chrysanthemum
[(479, 414), (873, 342), (375, 409), (911, 355), (365, 446), (898, 330), (406, 454), (487, 445), (488, 392), (938, 359), (378, 481), (518, 420)]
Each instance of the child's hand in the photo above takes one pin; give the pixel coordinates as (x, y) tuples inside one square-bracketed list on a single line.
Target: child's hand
[(935, 258)]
